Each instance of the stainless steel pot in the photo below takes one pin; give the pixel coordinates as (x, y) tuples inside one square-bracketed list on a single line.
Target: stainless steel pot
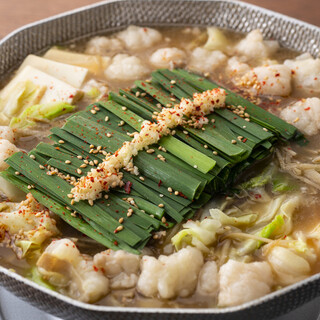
[(110, 16)]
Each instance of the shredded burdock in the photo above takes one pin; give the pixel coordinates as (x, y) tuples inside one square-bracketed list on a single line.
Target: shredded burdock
[(107, 175)]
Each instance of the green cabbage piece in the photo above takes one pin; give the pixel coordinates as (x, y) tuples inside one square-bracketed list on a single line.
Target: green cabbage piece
[(22, 96), (270, 229), (267, 232), (280, 182), (93, 93), (216, 40), (40, 112), (197, 234), (36, 277), (233, 221)]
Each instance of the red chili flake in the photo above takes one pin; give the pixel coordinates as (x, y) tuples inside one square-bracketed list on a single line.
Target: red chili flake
[(95, 269), (160, 183), (115, 243), (127, 187), (182, 195), (308, 108), (257, 196), (244, 140), (293, 72), (277, 75)]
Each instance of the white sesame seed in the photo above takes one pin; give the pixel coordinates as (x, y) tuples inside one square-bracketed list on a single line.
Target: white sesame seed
[(163, 220), (83, 165), (17, 173), (141, 178), (79, 171), (205, 146), (195, 166), (173, 82), (41, 166), (79, 157), (119, 228), (67, 162), (91, 202), (93, 111), (215, 152), (185, 132), (161, 195), (109, 135), (160, 205), (170, 189), (176, 193), (233, 141), (265, 129), (32, 156), (124, 108), (106, 119), (70, 195), (61, 141), (121, 220)]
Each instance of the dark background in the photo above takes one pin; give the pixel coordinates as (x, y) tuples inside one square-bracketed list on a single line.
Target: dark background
[(16, 13)]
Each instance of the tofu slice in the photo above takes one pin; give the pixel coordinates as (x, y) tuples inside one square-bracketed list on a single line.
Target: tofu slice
[(56, 91), (96, 64), (73, 75)]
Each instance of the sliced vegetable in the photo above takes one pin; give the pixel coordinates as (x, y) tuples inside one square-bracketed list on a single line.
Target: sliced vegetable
[(40, 112)]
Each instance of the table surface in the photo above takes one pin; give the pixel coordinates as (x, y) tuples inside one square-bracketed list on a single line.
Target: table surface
[(16, 13)]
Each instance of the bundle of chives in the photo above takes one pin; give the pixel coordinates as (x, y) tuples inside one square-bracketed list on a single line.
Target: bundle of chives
[(179, 174)]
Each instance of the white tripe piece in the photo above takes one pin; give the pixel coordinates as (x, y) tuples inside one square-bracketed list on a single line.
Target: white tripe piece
[(236, 68), (121, 267), (107, 174), (253, 46), (168, 58), (7, 149), (103, 46), (170, 276), (305, 74), (62, 265), (208, 281), (304, 114), (126, 67), (139, 38), (269, 80), (203, 60), (242, 282)]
